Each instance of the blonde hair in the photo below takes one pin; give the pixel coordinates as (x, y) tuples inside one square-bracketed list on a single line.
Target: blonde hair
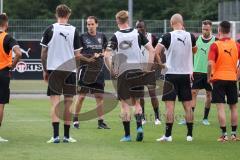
[(122, 16), (176, 18)]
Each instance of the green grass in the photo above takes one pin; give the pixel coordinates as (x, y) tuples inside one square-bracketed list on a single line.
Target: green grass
[(39, 86), (28, 86), (27, 126)]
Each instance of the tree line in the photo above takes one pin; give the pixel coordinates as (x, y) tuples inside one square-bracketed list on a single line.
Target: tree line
[(106, 9)]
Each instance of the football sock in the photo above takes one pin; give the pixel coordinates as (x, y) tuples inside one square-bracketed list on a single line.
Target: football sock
[(66, 130), (126, 125), (189, 128), (206, 112), (168, 129), (224, 130), (55, 129), (138, 120)]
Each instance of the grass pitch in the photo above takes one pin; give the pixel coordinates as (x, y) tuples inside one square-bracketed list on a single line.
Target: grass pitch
[(27, 126)]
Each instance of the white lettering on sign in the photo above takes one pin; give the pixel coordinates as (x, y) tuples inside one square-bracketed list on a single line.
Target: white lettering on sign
[(22, 67)]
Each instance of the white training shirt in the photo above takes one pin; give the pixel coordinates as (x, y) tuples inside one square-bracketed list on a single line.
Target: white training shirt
[(179, 56), (128, 50), (61, 49)]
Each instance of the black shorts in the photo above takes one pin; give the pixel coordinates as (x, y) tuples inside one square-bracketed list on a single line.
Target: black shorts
[(177, 85), (200, 82), (61, 83), (223, 88), (149, 78), (92, 73), (90, 88), (129, 84), (4, 86)]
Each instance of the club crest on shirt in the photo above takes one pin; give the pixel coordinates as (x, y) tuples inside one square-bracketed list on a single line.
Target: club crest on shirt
[(99, 40), (88, 41)]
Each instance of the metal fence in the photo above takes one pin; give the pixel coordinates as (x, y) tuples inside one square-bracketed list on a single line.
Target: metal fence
[(33, 29), (229, 10)]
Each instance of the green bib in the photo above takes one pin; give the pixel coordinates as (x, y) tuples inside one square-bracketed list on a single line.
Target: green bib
[(201, 57)]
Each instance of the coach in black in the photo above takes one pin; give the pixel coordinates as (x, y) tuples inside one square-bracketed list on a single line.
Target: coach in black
[(91, 75), (7, 45)]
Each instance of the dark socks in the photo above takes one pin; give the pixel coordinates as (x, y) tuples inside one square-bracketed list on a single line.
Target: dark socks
[(156, 112), (75, 118), (66, 130), (138, 120), (234, 130), (143, 109), (206, 112), (55, 129), (143, 114), (100, 121), (168, 129), (189, 128), (224, 130), (193, 109), (126, 125)]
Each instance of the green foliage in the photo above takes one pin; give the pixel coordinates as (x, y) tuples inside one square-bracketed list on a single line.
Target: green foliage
[(106, 9)]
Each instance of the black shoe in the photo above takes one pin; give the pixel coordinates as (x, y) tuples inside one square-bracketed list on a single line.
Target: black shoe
[(139, 137), (76, 124), (103, 126)]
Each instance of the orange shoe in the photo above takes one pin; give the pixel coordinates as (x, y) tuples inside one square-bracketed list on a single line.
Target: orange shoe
[(222, 139), (234, 138)]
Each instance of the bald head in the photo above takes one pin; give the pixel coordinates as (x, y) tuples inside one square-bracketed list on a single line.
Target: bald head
[(176, 19)]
